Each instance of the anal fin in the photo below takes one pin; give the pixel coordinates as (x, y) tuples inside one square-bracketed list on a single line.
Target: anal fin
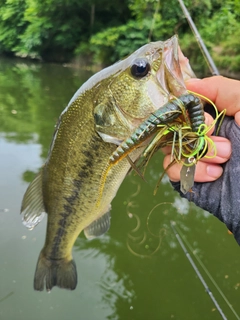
[(98, 227), (32, 209)]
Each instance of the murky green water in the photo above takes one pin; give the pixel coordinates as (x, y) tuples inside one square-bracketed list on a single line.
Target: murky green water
[(137, 270)]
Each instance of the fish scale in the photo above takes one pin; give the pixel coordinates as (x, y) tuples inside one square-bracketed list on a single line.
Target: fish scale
[(102, 113)]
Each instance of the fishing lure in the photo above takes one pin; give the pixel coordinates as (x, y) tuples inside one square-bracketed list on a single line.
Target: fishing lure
[(188, 143), (179, 123), (172, 110), (191, 145), (168, 113)]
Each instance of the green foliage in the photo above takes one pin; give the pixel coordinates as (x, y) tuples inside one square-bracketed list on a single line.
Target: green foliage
[(116, 42), (227, 54), (52, 29), (11, 23), (221, 34), (105, 31)]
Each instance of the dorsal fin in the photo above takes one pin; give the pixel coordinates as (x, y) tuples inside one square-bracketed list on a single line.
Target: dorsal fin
[(32, 209), (98, 227)]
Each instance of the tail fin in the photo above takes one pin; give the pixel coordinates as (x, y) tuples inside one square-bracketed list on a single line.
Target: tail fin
[(61, 273)]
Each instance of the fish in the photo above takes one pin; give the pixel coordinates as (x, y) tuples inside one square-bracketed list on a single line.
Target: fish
[(103, 112)]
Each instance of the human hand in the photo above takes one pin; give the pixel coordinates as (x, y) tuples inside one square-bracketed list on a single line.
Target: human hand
[(225, 93), (219, 194)]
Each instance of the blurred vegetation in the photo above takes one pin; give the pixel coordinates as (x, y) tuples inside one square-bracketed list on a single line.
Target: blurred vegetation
[(105, 31)]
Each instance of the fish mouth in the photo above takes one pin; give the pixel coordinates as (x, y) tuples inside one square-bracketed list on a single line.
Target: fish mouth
[(176, 68), (175, 58), (187, 71)]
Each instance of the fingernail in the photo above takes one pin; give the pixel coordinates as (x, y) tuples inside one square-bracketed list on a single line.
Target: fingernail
[(192, 80), (224, 149), (214, 171)]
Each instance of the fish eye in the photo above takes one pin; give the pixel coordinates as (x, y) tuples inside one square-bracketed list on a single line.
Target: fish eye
[(140, 68)]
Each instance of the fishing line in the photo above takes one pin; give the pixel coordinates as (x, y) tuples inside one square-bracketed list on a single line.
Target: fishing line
[(7, 296), (214, 71), (209, 292), (153, 21), (200, 42), (207, 272), (143, 239)]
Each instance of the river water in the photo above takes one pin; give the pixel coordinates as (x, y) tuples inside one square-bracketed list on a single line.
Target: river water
[(137, 270)]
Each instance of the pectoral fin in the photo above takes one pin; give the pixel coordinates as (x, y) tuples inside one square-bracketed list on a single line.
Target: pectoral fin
[(32, 209), (98, 227)]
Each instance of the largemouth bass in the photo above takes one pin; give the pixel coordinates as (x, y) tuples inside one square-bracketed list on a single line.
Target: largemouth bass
[(101, 114)]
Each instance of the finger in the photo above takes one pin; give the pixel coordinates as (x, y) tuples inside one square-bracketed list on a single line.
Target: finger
[(205, 172), (218, 152), (209, 121), (224, 92), (207, 169)]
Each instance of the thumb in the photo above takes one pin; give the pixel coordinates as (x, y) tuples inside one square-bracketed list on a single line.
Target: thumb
[(224, 92)]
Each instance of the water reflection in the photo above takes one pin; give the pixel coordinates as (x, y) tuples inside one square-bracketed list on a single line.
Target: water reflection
[(119, 276), (115, 284), (32, 98)]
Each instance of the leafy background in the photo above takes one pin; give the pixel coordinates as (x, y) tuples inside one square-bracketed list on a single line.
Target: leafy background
[(106, 31)]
